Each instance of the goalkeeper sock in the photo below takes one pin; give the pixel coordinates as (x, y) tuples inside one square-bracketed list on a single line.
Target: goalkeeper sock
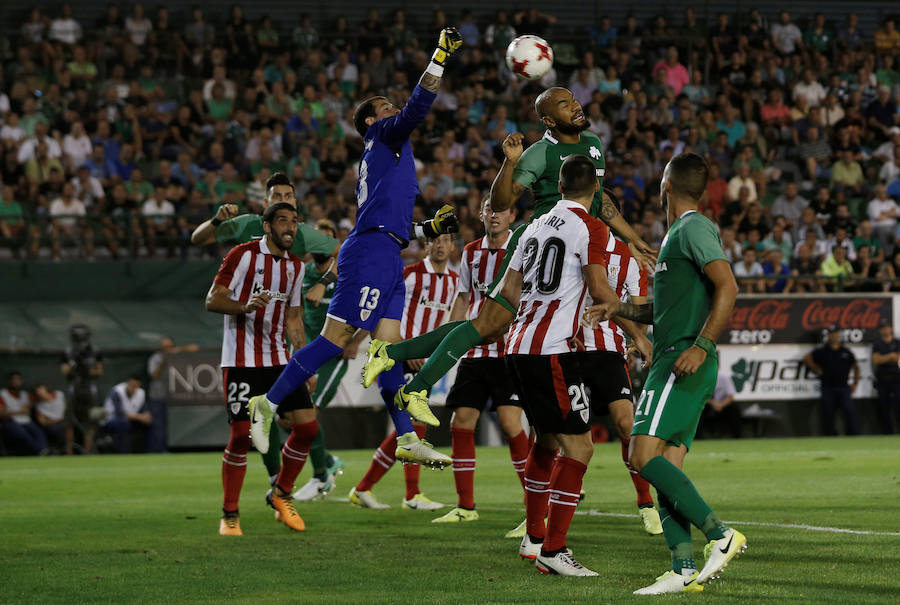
[(388, 384), (303, 364), (672, 483), (318, 455), (272, 458), (420, 347), (455, 345), (677, 531)]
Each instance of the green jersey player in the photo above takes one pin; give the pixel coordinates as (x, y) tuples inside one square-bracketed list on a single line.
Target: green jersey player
[(536, 169), (694, 293)]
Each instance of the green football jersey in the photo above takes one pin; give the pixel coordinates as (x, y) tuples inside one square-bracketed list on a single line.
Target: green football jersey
[(538, 168), (314, 316), (682, 293), (243, 228)]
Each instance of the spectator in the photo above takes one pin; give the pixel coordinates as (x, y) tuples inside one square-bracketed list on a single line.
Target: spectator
[(716, 190), (841, 219), (732, 249), (721, 417), (840, 239), (15, 417), (12, 222), (816, 246), (786, 37), (887, 38), (81, 365), (748, 268), (126, 413), (790, 205), (847, 174), (64, 29), (676, 74), (778, 272), (885, 362), (779, 238), (833, 363), (815, 153), (837, 267), (50, 412), (810, 89), (67, 223), (865, 236), (882, 113), (869, 272), (806, 265), (742, 180)]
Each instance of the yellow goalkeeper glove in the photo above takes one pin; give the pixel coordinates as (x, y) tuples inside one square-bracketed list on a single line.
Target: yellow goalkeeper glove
[(444, 221), (448, 43)]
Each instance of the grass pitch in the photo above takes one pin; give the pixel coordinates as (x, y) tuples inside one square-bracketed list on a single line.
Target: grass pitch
[(820, 515)]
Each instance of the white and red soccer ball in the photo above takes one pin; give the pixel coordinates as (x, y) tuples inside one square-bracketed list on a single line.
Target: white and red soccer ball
[(529, 57)]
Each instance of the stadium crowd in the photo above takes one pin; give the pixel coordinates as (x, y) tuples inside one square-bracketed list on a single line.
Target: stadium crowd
[(118, 137)]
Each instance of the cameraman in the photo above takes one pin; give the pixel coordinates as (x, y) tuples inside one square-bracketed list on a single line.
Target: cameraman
[(81, 365)]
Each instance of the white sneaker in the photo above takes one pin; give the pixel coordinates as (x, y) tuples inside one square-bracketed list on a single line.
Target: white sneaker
[(421, 502), (720, 552), (310, 491), (412, 450), (562, 564), (528, 549), (518, 532), (365, 500), (261, 416), (672, 581)]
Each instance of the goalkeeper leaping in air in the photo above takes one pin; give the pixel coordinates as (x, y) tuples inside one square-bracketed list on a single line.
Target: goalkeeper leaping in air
[(370, 289)]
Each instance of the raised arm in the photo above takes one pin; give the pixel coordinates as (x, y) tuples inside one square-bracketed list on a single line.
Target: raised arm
[(205, 233), (505, 190)]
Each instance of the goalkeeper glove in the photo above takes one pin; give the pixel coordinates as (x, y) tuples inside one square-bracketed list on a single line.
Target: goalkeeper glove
[(444, 221), (448, 43)]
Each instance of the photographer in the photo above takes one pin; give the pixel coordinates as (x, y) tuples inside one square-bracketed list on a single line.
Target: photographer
[(81, 365)]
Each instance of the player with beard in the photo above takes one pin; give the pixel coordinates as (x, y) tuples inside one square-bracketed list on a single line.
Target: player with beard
[(536, 169)]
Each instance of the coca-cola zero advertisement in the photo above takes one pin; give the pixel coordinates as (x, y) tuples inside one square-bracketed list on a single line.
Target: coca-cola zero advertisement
[(758, 320)]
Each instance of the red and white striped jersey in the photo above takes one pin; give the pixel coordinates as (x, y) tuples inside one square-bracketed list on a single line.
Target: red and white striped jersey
[(429, 296), (551, 254), (257, 339), (627, 278), (478, 269)]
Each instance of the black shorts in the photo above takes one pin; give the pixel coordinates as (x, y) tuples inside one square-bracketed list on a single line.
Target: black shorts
[(553, 392), (408, 372), (481, 380), (606, 379), (243, 383)]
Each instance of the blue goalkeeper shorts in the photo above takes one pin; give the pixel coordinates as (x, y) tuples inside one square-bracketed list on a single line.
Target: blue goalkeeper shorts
[(370, 283)]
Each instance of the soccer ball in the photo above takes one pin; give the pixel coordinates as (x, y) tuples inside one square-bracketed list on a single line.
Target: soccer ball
[(529, 57)]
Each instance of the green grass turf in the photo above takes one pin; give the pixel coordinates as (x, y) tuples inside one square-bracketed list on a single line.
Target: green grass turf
[(143, 529)]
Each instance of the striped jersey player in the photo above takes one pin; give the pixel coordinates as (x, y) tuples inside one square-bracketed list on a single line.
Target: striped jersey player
[(608, 382), (258, 288), (561, 257), (482, 381)]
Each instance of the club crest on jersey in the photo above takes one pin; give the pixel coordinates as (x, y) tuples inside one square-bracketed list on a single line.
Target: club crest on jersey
[(586, 415), (595, 153), (235, 407), (613, 272), (364, 314)]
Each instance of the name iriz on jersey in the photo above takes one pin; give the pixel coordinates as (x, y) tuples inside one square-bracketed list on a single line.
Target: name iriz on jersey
[(551, 220), (275, 295)]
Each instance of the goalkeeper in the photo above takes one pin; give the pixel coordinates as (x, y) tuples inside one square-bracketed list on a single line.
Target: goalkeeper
[(370, 289)]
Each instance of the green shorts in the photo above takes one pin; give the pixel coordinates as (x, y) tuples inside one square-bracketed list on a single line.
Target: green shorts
[(670, 407), (329, 379), (493, 291)]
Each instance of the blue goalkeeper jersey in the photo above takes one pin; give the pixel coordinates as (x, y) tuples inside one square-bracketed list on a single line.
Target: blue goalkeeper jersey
[(387, 186)]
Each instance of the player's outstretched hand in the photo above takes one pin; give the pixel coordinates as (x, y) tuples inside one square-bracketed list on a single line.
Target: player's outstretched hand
[(644, 348), (258, 301), (689, 361), (449, 42), (512, 146), (599, 312), (315, 294), (645, 255), (445, 220), (227, 211)]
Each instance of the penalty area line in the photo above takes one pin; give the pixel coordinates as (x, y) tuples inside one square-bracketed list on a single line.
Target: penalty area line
[(833, 530)]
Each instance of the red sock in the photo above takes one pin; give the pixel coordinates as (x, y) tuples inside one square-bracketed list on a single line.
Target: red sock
[(234, 464), (565, 489), (641, 486), (382, 461), (518, 452), (537, 481), (411, 471), (294, 453), (463, 454)]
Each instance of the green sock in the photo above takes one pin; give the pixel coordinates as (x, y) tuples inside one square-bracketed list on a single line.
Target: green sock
[(422, 346), (272, 458), (318, 455), (677, 531), (681, 493), (445, 356)]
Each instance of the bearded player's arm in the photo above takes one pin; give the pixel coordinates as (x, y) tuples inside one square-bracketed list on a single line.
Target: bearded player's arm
[(513, 178)]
